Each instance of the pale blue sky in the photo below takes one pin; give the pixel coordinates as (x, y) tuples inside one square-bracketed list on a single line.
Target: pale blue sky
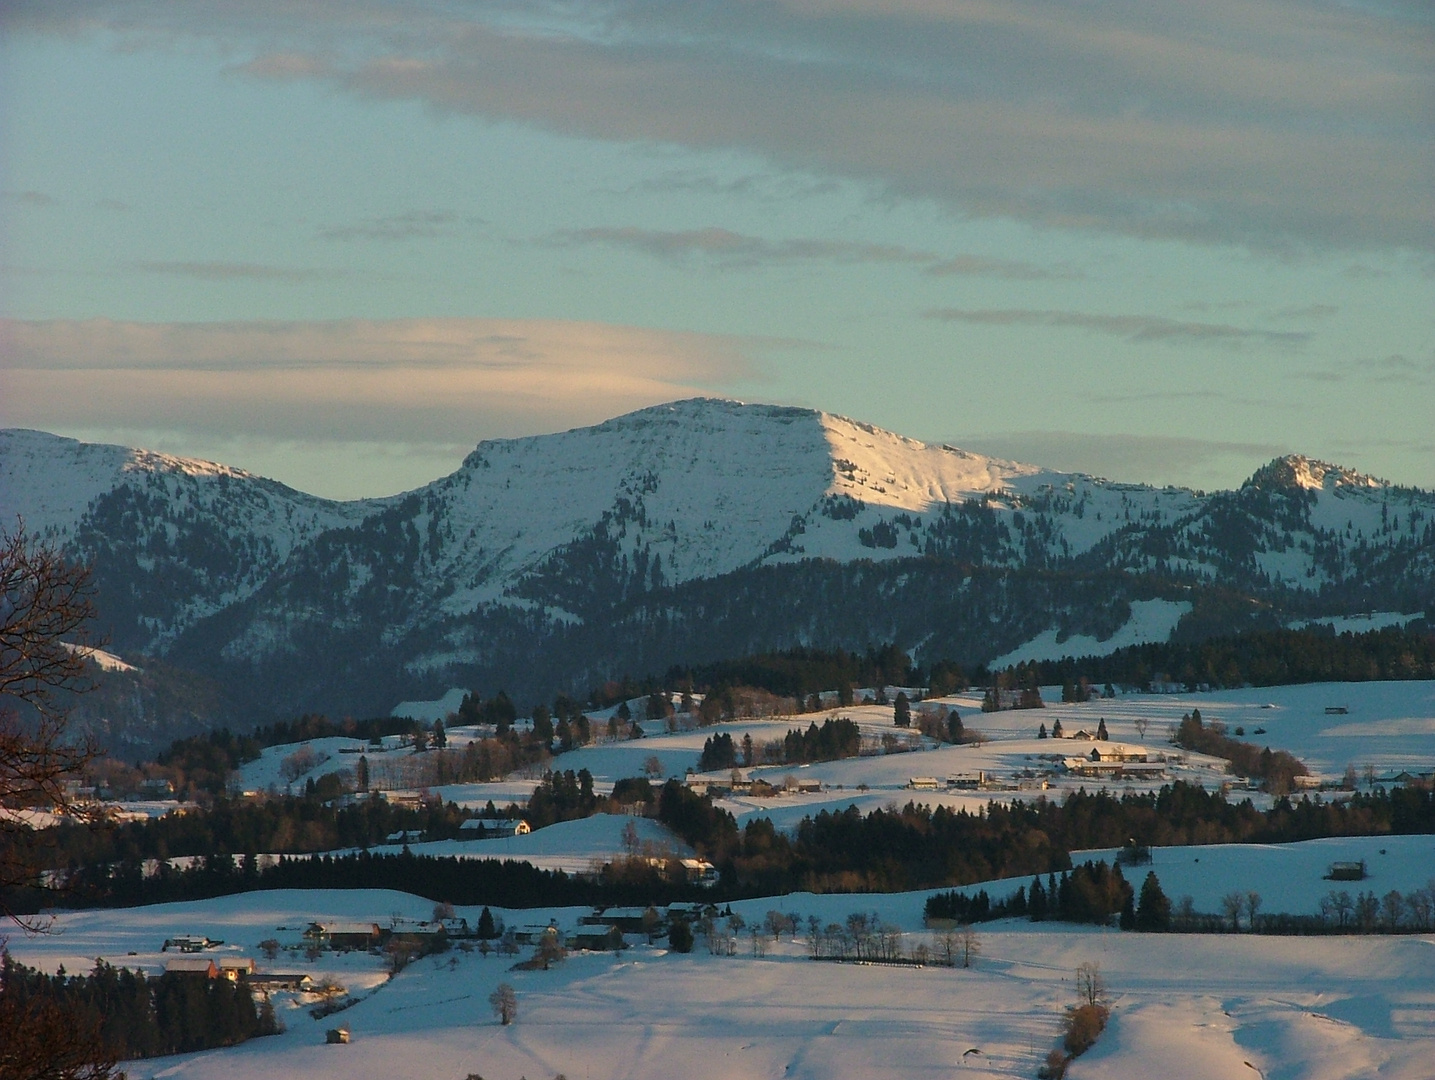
[(341, 246)]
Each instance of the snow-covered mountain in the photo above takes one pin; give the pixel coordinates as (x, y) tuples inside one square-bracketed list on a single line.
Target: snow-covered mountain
[(173, 539), (681, 533)]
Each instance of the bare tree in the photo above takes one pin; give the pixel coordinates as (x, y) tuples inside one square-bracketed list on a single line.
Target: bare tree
[(759, 941), (1090, 985), (46, 602), (776, 923), (1253, 904), (504, 1003), (1232, 904), (1142, 723), (947, 947), (968, 944), (1392, 909)]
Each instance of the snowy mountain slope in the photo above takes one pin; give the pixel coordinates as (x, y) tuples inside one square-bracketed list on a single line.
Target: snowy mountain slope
[(687, 531), (173, 539)]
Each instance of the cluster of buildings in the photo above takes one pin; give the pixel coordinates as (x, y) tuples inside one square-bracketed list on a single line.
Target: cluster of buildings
[(738, 784)]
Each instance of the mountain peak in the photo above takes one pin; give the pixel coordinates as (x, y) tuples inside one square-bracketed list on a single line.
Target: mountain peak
[(1296, 471)]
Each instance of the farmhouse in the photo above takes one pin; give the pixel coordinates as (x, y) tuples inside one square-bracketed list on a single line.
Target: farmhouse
[(485, 828), (344, 935), (923, 783), (597, 939), (533, 933), (1117, 769), (192, 965), (1346, 871), (231, 967), (189, 943), (967, 781), (699, 872), (627, 919), (279, 980), (1117, 752)]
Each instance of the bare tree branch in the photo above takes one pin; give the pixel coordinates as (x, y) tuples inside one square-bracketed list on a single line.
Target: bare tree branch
[(46, 604)]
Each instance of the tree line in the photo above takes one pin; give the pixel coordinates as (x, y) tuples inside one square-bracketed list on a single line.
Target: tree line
[(1093, 892), (1276, 768), (1259, 658), (837, 738), (129, 1015), (916, 847)]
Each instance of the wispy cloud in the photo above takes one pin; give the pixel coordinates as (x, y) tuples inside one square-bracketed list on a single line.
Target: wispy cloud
[(1394, 368), (439, 379), (30, 198), (1130, 327), (237, 271), (1306, 311), (737, 249), (977, 266), (727, 248), (412, 225), (1233, 121)]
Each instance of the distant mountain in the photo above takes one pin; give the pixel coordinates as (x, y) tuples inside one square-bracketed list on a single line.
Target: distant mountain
[(684, 533)]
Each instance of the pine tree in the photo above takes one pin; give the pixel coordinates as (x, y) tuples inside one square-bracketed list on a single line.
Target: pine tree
[(1154, 911), (902, 710), (1101, 730), (1056, 732), (1041, 731), (1036, 900), (485, 925), (543, 724)]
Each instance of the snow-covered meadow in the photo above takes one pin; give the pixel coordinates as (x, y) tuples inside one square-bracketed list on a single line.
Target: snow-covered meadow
[(1388, 727), (1193, 1007)]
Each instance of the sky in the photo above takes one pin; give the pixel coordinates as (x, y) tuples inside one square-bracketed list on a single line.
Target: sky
[(339, 243)]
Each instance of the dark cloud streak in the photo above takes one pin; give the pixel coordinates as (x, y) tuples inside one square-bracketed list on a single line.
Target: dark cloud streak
[(732, 249), (1140, 328)]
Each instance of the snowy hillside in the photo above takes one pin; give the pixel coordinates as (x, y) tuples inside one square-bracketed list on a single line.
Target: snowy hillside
[(686, 532), (1191, 1007), (174, 539)]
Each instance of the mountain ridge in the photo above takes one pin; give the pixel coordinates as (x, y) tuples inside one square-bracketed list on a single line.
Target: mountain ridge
[(659, 536)]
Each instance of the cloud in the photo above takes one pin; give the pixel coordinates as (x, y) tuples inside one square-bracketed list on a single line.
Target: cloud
[(737, 249), (233, 271), (415, 224), (1283, 124), (1395, 368), (1151, 459), (727, 248), (769, 187), (977, 266), (445, 380), (1307, 311), (30, 198), (1130, 327)]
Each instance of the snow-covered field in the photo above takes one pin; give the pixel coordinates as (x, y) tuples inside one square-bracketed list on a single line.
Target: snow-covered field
[(1191, 1007)]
